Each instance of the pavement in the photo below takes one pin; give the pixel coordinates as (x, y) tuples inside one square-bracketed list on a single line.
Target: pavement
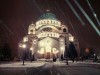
[(42, 67)]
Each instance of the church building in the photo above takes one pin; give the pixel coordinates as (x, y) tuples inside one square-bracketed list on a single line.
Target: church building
[(46, 38)]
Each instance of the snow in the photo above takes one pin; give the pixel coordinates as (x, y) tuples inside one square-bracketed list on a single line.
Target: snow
[(20, 64)]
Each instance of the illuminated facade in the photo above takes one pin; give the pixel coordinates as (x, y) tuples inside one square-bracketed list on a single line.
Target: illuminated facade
[(46, 38)]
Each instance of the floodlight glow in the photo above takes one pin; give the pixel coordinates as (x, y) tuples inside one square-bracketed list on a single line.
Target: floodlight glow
[(48, 49), (87, 17), (55, 51), (42, 43), (41, 51), (76, 14), (94, 14)]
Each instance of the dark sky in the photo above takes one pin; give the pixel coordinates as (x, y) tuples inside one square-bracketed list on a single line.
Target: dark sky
[(16, 15)]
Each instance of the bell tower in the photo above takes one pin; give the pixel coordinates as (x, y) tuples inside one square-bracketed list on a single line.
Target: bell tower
[(31, 29)]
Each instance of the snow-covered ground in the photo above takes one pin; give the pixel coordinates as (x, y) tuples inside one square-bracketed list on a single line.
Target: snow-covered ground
[(42, 62), (20, 64), (50, 68), (78, 63)]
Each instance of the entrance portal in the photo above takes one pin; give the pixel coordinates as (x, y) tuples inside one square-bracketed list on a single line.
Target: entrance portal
[(48, 52), (48, 55)]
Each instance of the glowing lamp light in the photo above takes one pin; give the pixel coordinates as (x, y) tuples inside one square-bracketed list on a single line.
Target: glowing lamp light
[(62, 48), (71, 38), (41, 51), (57, 51), (38, 51), (24, 46), (87, 50), (48, 48), (31, 48), (25, 39)]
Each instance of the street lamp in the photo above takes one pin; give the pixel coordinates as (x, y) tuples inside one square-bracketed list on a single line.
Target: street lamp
[(23, 55), (66, 52), (31, 53), (62, 52)]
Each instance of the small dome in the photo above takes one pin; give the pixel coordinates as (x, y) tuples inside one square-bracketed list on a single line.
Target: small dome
[(48, 15)]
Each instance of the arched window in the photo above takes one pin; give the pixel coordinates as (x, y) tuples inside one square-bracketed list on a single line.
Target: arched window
[(57, 23), (51, 22), (44, 22), (41, 22), (31, 30), (64, 30), (54, 22), (47, 21)]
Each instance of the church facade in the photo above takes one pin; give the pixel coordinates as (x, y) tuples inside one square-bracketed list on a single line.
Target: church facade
[(46, 38)]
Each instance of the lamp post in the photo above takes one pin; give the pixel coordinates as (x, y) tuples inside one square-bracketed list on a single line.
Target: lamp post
[(62, 53), (23, 53), (66, 52), (31, 54)]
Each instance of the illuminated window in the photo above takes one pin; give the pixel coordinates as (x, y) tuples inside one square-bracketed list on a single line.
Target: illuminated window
[(49, 34), (54, 34), (47, 21), (41, 22), (44, 22), (57, 23), (54, 22), (51, 22), (54, 50), (41, 51), (45, 35), (48, 49)]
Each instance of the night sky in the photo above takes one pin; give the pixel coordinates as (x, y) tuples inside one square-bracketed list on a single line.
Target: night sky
[(16, 15)]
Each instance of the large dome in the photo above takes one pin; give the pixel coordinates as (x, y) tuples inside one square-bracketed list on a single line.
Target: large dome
[(48, 19), (48, 15)]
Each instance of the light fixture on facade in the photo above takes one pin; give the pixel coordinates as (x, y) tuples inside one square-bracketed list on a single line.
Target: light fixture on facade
[(41, 51), (25, 39), (48, 49), (62, 48), (31, 48), (24, 46), (71, 38)]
